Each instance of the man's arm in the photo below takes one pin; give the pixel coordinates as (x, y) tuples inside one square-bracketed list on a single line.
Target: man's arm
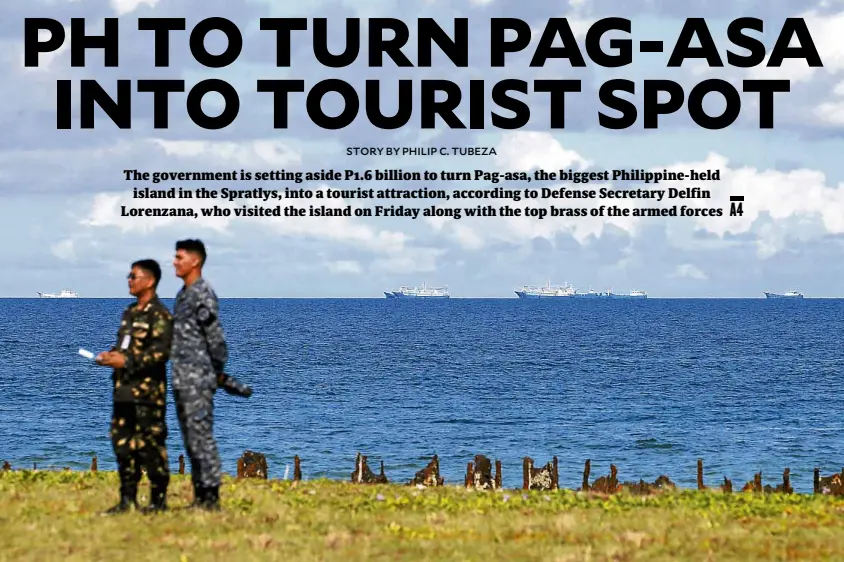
[(208, 315), (158, 348)]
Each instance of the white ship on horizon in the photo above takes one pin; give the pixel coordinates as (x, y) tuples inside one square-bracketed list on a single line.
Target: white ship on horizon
[(528, 292), (419, 292), (65, 294), (793, 294)]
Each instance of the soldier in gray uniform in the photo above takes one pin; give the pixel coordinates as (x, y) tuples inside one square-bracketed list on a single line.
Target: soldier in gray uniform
[(198, 356)]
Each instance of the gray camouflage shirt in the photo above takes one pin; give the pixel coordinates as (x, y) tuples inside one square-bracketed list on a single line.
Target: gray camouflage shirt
[(199, 351)]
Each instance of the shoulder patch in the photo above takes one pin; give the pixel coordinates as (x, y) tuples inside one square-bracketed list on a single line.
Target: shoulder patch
[(204, 315)]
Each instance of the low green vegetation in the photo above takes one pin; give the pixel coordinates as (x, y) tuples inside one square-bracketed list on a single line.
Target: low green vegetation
[(57, 516)]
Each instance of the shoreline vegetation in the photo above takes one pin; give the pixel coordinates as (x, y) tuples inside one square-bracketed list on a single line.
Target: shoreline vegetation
[(57, 515)]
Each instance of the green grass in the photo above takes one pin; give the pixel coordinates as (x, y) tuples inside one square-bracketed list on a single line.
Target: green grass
[(50, 515)]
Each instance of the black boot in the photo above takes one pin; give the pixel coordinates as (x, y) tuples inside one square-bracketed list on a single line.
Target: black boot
[(212, 499), (157, 499), (198, 496), (128, 500), (207, 498)]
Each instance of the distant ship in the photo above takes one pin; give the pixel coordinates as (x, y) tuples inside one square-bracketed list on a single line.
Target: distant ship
[(528, 292), (634, 294), (65, 294), (567, 291), (785, 295), (418, 292)]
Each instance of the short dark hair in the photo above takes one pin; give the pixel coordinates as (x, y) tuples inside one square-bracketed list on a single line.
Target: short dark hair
[(194, 246), (151, 267)]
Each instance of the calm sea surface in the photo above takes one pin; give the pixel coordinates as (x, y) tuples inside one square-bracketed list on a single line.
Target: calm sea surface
[(651, 386)]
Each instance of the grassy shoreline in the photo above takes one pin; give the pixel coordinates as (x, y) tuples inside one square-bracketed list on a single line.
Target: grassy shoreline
[(56, 515)]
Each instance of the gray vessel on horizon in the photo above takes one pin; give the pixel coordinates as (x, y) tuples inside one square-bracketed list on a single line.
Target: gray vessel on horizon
[(785, 295)]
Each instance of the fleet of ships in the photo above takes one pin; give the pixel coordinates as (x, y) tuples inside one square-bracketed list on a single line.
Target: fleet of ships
[(525, 292), (566, 290), (560, 291)]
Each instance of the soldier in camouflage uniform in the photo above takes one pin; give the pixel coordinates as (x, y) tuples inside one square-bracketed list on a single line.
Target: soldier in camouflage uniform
[(139, 360), (198, 358)]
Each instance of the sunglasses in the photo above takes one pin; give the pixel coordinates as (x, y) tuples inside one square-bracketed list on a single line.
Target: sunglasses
[(132, 276)]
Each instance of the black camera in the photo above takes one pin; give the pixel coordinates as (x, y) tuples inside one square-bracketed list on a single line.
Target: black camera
[(233, 386)]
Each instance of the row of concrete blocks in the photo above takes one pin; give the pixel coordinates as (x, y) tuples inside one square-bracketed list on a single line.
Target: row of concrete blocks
[(479, 476)]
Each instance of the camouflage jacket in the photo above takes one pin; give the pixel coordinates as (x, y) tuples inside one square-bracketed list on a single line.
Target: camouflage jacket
[(199, 351), (144, 340)]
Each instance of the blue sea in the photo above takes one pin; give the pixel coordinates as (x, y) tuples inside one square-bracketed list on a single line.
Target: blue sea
[(651, 386)]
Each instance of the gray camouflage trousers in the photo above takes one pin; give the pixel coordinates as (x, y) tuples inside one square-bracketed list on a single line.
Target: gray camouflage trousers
[(195, 410)]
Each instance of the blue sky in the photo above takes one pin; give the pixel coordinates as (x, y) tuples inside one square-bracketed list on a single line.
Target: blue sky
[(62, 190)]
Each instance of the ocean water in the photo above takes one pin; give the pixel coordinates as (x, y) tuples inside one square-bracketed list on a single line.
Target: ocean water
[(651, 386)]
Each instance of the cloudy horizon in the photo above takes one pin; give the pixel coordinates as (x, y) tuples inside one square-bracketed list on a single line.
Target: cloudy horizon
[(62, 190)]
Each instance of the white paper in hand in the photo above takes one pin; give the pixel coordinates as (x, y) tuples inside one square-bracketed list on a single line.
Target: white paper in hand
[(85, 353)]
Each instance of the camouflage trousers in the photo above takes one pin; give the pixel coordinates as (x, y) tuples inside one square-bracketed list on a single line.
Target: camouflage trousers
[(139, 439), (195, 409)]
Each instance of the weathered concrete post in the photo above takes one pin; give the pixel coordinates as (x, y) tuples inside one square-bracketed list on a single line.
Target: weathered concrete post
[(497, 482), (786, 482), (700, 485), (363, 475), (252, 465), (586, 469), (428, 476), (544, 478)]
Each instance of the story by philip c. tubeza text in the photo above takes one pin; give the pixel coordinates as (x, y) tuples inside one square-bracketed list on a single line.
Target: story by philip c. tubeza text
[(539, 194)]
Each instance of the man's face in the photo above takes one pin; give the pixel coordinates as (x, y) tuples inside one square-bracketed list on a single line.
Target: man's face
[(184, 263), (140, 281)]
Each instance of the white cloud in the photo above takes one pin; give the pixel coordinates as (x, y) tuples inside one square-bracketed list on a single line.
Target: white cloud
[(467, 237), (689, 270), (123, 7), (529, 150), (344, 266), (796, 200), (64, 250), (780, 194), (45, 60), (826, 31), (107, 209), (254, 153), (830, 113), (412, 260)]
